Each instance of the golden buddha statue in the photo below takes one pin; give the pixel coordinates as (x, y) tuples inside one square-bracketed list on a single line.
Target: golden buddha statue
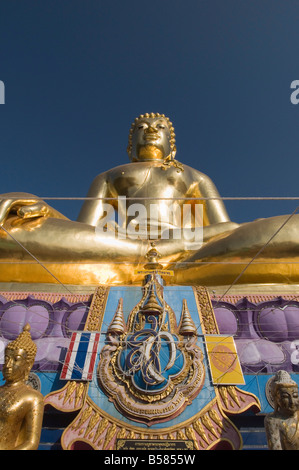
[(282, 426), (21, 407), (103, 248)]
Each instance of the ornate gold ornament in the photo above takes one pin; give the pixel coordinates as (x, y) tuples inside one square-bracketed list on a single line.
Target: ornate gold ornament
[(151, 367)]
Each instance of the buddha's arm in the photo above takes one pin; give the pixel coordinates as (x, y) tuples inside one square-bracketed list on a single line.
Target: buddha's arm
[(218, 218), (215, 208), (93, 207), (33, 423), (273, 433)]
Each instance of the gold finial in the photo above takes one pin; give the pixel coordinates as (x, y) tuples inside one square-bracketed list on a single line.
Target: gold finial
[(152, 304), (24, 341), (152, 256), (118, 323), (187, 326)]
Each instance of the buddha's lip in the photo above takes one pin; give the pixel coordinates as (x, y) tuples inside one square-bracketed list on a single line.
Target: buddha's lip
[(151, 137)]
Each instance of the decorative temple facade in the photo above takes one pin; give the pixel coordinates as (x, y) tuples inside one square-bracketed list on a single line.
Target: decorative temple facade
[(159, 346), (84, 413)]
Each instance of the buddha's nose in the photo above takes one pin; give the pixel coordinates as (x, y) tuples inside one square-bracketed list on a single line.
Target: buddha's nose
[(151, 130)]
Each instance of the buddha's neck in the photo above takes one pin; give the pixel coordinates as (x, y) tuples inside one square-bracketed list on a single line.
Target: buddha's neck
[(150, 152)]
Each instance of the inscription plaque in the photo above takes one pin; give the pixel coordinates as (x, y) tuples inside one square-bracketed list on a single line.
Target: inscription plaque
[(154, 444)]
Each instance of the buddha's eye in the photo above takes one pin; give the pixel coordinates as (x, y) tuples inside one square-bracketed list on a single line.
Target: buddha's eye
[(160, 126)]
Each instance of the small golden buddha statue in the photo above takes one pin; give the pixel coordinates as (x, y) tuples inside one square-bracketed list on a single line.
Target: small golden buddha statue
[(21, 407), (282, 426)]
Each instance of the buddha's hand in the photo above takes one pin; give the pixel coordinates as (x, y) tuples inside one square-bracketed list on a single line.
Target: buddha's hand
[(39, 209), (24, 206)]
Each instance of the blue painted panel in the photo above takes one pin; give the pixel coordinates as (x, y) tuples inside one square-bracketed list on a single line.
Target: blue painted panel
[(173, 296)]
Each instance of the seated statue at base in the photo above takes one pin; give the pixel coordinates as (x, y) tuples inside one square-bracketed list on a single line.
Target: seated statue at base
[(21, 407), (282, 426), (152, 198)]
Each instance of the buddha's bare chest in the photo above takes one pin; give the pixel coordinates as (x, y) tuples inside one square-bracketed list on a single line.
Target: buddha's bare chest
[(154, 182)]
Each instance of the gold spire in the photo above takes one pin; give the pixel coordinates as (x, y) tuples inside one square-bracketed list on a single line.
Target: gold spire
[(118, 323), (152, 303), (187, 326)]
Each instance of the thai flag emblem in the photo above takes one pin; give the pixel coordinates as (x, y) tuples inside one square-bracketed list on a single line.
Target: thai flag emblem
[(81, 356)]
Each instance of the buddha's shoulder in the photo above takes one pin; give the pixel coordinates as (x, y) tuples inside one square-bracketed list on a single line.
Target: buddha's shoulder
[(182, 170), (195, 174)]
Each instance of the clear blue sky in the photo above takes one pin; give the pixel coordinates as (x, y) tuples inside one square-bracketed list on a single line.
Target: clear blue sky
[(77, 73)]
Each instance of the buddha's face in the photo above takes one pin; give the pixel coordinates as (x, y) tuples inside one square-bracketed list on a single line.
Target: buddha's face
[(288, 400), (15, 365), (151, 139)]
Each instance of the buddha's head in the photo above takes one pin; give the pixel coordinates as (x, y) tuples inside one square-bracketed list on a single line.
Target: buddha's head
[(19, 357), (285, 393), (151, 137)]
